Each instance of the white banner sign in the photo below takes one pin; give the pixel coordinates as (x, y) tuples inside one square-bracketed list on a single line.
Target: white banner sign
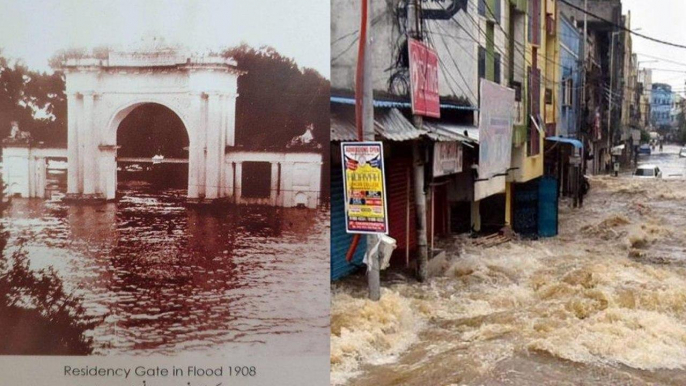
[(495, 137), (447, 158)]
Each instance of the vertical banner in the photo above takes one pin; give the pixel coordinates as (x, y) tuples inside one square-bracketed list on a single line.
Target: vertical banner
[(364, 187), (424, 80)]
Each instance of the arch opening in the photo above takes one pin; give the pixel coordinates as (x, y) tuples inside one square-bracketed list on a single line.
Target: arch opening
[(152, 152)]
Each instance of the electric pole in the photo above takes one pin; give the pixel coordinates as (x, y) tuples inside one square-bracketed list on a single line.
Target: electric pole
[(413, 22), (364, 111)]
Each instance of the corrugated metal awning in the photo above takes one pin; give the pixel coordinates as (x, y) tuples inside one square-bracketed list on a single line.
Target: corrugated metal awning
[(390, 124), (445, 132), (398, 104), (342, 128)]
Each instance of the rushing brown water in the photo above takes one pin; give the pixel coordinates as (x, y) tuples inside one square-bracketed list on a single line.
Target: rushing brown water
[(168, 279), (602, 304)]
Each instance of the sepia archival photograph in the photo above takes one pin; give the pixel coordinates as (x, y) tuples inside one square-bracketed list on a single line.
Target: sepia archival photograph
[(164, 178)]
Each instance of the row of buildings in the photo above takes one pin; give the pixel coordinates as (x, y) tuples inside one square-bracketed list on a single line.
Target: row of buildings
[(577, 106)]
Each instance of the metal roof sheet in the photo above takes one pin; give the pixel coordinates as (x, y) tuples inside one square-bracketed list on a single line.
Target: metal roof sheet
[(398, 104), (443, 131), (389, 124)]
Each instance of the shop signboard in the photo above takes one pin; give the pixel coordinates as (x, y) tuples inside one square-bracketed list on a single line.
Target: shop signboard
[(447, 158)]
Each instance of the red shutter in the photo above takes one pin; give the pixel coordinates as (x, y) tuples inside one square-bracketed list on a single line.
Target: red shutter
[(398, 170)]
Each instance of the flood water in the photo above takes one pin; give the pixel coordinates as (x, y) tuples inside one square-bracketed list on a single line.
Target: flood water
[(604, 303), (164, 278)]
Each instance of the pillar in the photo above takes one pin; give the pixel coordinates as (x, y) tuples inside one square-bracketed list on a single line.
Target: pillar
[(214, 147), (274, 183), (239, 182), (230, 127), (476, 216), (196, 150), (72, 145), (89, 146), (508, 204)]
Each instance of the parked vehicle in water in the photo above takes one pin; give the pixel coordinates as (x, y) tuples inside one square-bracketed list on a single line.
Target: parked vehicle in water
[(682, 152), (648, 171), (644, 149)]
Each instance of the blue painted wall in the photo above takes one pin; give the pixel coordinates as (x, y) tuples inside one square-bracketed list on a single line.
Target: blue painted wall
[(661, 100), (570, 52)]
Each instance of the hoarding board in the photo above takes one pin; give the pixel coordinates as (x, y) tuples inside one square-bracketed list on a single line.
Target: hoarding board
[(364, 187), (495, 138), (447, 158), (424, 80)]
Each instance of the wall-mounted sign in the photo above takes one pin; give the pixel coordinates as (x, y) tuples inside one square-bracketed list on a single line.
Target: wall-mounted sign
[(364, 187), (447, 158), (424, 80)]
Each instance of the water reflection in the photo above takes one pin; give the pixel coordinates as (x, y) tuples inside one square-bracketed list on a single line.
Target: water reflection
[(164, 277)]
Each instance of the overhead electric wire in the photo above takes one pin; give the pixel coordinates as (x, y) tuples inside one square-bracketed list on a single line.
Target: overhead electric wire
[(623, 28)]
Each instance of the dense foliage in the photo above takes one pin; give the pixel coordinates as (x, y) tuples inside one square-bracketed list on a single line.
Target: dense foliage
[(37, 315), (277, 99)]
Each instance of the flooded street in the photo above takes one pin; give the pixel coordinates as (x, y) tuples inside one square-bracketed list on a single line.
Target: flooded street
[(163, 278), (604, 303)]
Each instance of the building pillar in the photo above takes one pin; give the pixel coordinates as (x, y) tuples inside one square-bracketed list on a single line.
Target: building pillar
[(73, 145), (230, 105), (196, 150), (274, 183), (89, 146), (508, 204), (214, 146), (476, 216), (239, 182)]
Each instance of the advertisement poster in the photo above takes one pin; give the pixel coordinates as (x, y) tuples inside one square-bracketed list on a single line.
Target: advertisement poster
[(495, 138), (365, 190)]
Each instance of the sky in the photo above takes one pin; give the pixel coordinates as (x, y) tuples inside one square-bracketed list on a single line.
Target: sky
[(664, 20), (33, 30)]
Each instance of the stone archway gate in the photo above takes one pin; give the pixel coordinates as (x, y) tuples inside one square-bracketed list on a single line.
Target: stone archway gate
[(201, 90)]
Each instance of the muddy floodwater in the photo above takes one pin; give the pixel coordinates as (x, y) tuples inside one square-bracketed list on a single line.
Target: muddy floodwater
[(164, 278), (604, 303)]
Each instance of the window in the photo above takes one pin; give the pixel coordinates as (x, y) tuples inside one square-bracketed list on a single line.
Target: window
[(533, 138), (482, 7), (548, 96), (568, 92), (517, 86), (496, 64)]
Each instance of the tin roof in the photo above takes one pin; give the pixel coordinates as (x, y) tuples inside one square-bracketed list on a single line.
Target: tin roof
[(398, 104), (390, 124), (444, 132)]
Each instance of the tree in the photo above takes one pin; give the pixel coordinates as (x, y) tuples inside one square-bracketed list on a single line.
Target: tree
[(37, 101), (278, 100)]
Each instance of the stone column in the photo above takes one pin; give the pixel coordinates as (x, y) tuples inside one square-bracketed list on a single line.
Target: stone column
[(275, 184), (215, 145), (239, 182), (196, 150), (73, 145), (90, 169), (231, 119)]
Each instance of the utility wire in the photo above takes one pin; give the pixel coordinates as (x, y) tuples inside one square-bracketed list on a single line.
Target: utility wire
[(623, 28)]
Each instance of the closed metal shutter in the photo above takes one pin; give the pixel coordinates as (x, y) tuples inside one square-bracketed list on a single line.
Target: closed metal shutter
[(398, 170)]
